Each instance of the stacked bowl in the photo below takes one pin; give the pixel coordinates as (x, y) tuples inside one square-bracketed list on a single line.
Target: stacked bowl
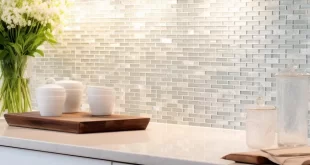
[(101, 100), (51, 99), (66, 97), (74, 91)]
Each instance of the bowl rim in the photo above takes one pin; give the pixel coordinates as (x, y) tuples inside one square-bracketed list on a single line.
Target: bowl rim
[(100, 87), (99, 95), (51, 97)]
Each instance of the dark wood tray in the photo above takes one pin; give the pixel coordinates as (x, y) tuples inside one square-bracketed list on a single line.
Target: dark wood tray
[(79, 123)]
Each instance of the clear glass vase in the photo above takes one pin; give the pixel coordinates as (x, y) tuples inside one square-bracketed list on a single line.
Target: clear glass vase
[(15, 92), (292, 105)]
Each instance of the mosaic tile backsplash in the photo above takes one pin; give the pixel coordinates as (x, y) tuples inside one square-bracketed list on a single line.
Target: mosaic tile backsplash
[(193, 62)]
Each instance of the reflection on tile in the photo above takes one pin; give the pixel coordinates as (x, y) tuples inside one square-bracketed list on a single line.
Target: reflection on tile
[(210, 54)]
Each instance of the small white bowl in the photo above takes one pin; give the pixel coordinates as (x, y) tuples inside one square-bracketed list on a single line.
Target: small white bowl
[(70, 84), (99, 87), (99, 90), (50, 99), (51, 106), (73, 102), (74, 90), (101, 105)]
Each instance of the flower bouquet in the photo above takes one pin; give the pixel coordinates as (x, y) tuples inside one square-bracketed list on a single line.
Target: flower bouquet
[(24, 26)]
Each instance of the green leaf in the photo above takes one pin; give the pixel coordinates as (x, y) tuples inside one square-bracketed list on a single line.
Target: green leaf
[(3, 53), (29, 39), (38, 41), (40, 52), (49, 26), (4, 25), (31, 54), (10, 50), (50, 38), (18, 49), (49, 34), (52, 41), (20, 40), (2, 40)]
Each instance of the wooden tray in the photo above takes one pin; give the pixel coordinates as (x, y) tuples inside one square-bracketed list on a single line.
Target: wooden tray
[(250, 158), (80, 122)]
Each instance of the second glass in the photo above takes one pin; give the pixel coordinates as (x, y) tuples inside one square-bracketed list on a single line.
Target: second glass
[(292, 105)]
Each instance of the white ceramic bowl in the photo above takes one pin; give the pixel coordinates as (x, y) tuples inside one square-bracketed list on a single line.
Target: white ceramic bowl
[(51, 106), (99, 90), (50, 90), (73, 101), (51, 98), (74, 91), (101, 105), (70, 84)]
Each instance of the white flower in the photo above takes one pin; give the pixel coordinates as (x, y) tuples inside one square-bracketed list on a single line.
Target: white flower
[(23, 13)]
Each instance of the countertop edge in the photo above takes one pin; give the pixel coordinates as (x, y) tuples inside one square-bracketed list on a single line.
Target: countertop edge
[(95, 153)]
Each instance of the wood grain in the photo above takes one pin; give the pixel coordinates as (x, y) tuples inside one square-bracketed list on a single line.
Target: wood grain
[(80, 122), (245, 158)]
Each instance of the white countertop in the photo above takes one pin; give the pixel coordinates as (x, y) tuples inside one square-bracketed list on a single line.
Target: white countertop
[(160, 144)]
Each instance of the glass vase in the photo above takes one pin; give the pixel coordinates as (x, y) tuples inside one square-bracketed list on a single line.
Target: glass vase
[(15, 92), (292, 104)]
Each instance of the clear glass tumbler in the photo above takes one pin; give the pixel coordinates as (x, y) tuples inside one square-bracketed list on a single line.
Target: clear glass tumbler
[(292, 106), (261, 127)]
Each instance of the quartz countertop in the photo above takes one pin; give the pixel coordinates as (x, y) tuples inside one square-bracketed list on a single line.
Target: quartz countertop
[(159, 144)]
